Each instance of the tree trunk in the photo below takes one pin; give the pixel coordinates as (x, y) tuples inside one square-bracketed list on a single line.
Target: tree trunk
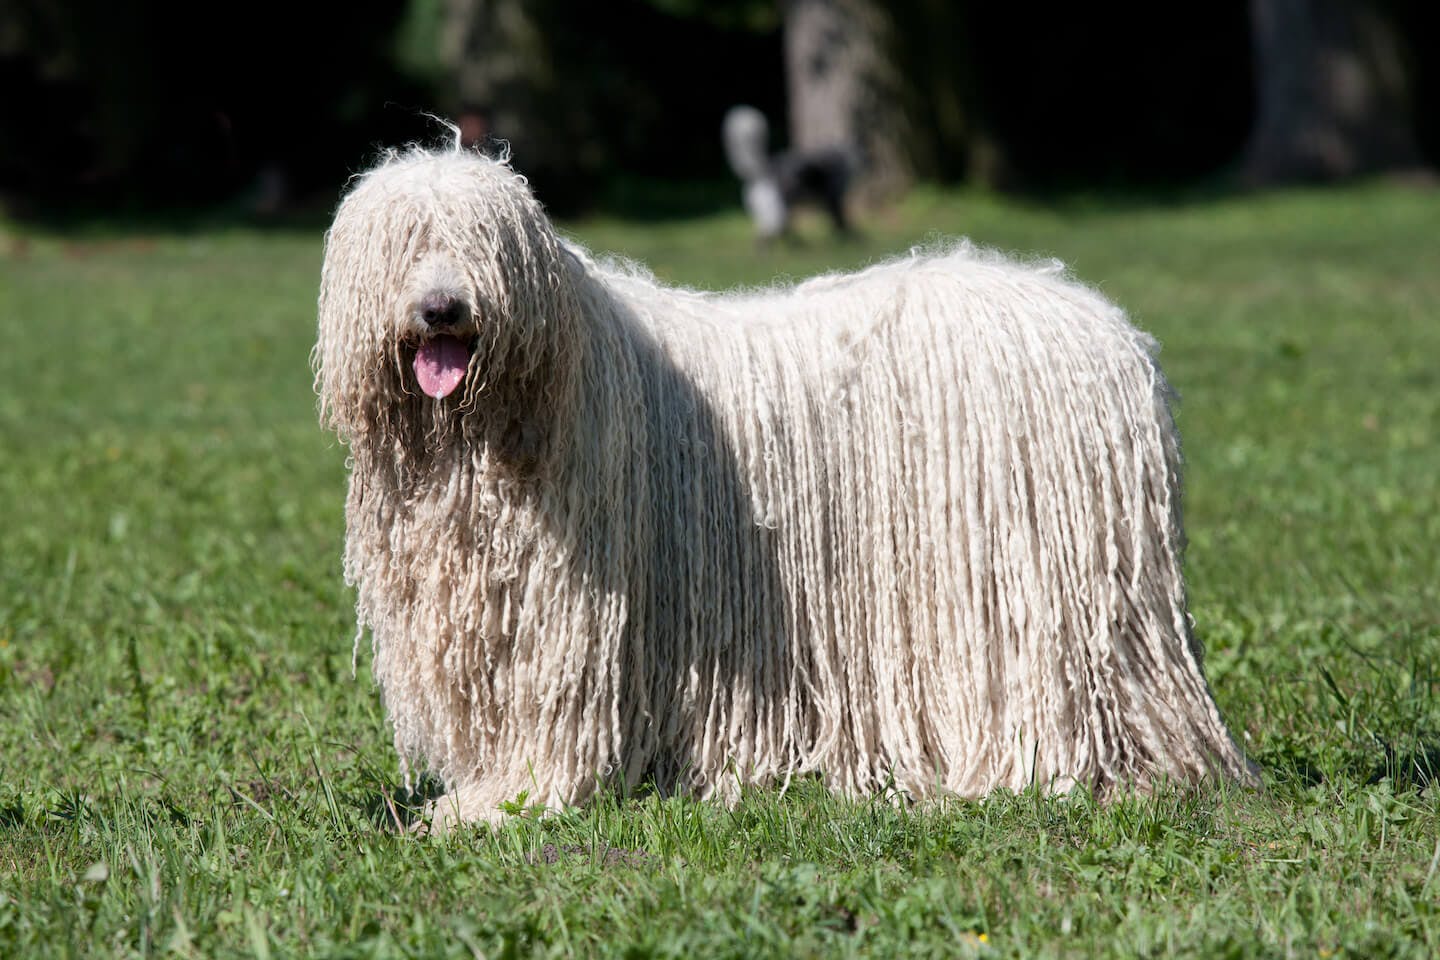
[(948, 114), (845, 89), (504, 66), (495, 57), (1332, 98)]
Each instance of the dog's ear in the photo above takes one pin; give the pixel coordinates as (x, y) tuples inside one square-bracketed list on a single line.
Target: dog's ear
[(366, 249)]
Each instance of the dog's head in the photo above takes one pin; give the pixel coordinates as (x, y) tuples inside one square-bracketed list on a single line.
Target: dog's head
[(446, 309)]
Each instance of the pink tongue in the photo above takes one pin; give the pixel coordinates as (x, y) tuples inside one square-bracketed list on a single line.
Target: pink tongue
[(440, 365)]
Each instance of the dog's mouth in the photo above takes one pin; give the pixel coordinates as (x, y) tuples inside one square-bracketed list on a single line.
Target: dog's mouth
[(440, 364)]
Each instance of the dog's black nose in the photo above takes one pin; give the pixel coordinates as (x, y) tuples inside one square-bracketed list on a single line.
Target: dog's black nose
[(442, 310)]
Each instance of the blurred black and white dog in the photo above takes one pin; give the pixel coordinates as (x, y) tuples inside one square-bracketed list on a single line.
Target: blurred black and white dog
[(775, 184)]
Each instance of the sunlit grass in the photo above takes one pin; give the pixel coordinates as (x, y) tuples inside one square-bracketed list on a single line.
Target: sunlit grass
[(188, 766)]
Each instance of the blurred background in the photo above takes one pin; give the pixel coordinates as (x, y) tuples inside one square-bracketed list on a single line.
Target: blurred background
[(264, 108)]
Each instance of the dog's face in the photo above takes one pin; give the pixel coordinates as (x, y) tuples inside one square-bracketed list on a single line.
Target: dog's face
[(440, 323), (444, 306)]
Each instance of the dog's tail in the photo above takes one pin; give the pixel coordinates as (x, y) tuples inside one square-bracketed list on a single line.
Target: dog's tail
[(747, 143)]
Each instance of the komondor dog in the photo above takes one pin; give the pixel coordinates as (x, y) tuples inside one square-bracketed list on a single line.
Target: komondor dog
[(915, 529)]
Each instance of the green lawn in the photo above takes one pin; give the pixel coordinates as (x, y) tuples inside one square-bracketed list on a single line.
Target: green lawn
[(189, 767)]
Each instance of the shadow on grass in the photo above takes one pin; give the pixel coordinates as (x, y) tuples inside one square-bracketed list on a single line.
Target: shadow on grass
[(1412, 768), (641, 200), (1121, 197), (396, 808), (652, 200), (629, 198)]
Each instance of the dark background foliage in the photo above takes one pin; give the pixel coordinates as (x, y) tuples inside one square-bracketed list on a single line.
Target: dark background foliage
[(152, 105)]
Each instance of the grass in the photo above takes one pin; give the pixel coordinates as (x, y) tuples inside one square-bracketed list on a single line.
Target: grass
[(188, 767)]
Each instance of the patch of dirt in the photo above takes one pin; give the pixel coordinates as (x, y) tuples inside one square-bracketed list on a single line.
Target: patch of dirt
[(611, 857), (34, 674)]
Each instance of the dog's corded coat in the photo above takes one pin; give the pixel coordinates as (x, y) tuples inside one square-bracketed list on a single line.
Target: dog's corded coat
[(916, 528)]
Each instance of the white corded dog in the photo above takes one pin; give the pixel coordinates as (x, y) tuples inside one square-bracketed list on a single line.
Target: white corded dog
[(916, 528)]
